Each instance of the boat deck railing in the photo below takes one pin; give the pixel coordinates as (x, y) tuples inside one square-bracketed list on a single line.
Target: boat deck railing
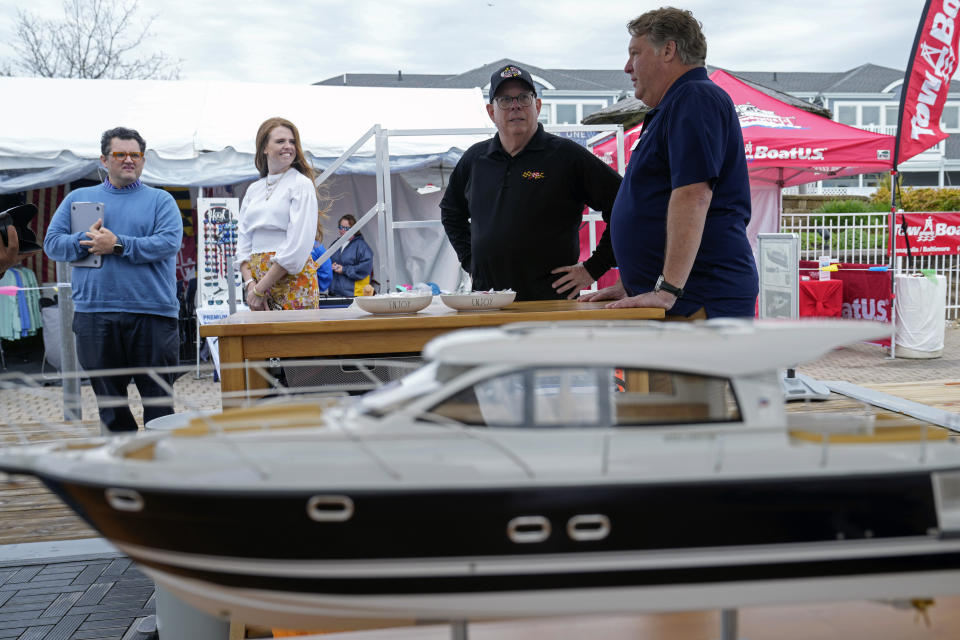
[(36, 409), (44, 407)]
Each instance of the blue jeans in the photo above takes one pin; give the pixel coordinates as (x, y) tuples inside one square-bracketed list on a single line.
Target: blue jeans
[(126, 340)]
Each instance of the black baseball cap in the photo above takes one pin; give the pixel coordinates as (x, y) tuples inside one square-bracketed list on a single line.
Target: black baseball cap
[(509, 72)]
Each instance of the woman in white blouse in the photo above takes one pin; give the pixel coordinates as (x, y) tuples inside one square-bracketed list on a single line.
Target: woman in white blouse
[(278, 221)]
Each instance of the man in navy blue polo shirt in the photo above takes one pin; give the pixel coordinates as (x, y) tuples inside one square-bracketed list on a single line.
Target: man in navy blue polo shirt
[(514, 204), (679, 222)]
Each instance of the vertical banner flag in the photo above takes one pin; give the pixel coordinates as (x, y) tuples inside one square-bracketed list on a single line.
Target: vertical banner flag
[(933, 60)]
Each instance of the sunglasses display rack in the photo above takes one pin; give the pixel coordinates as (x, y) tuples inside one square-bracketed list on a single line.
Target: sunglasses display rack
[(216, 253)]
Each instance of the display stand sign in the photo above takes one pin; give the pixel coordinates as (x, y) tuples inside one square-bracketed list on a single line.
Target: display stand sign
[(778, 264), (778, 261), (216, 271), (216, 251)]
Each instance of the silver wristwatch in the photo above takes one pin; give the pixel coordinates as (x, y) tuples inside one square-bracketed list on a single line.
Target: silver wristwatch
[(669, 288)]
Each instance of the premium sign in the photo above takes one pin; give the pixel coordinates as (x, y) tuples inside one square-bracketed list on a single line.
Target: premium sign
[(927, 80), (930, 234)]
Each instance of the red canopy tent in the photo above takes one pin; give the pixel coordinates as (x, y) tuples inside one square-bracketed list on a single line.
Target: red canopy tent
[(786, 146)]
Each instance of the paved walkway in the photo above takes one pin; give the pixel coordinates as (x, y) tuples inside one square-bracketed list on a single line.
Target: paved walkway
[(92, 597), (869, 364)]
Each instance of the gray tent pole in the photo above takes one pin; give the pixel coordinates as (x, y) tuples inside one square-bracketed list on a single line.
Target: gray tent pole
[(68, 350)]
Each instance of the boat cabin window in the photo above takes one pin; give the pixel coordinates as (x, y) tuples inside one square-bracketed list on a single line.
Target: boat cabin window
[(642, 397), (591, 396), (494, 401)]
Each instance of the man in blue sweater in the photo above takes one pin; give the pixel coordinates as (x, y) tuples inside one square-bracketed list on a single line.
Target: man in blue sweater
[(126, 310)]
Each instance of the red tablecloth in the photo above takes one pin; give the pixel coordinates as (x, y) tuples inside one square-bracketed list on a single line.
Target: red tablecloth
[(866, 294), (821, 298)]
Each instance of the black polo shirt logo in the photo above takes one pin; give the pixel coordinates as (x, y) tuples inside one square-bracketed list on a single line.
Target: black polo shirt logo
[(533, 175)]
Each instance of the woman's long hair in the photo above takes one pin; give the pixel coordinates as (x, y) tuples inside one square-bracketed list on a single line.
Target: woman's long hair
[(263, 136), (324, 199)]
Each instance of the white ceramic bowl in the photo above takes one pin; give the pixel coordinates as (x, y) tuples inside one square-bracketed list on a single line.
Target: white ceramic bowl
[(478, 300), (393, 304)]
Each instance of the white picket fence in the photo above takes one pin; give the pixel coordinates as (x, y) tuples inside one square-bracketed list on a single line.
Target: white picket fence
[(862, 238)]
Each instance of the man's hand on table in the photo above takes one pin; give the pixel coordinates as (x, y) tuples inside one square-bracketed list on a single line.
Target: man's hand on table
[(656, 300), (575, 278), (617, 293), (613, 292)]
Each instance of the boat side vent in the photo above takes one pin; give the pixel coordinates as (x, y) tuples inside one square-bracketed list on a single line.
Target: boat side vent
[(528, 529), (124, 499), (330, 508), (594, 526)]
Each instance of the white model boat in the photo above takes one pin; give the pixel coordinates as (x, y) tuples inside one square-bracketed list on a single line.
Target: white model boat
[(532, 470)]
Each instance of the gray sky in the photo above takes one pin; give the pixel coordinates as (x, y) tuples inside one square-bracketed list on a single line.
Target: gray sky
[(304, 41)]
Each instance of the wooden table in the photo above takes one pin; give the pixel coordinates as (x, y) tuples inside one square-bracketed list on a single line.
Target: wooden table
[(258, 335)]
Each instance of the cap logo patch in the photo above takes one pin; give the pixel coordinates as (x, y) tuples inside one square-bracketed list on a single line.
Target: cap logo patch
[(510, 72)]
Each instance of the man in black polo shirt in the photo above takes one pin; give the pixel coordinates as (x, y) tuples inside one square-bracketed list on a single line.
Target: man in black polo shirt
[(513, 207)]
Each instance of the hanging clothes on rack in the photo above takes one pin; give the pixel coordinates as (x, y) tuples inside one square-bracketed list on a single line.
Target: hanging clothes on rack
[(20, 314)]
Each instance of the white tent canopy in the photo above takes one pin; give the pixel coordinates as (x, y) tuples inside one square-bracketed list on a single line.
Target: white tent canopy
[(202, 133)]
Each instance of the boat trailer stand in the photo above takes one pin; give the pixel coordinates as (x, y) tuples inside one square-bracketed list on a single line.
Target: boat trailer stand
[(728, 626), (176, 619), (458, 630)]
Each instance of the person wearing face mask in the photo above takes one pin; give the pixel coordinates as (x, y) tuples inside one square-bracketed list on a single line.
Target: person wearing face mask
[(278, 223), (126, 310), (352, 264), (514, 204)]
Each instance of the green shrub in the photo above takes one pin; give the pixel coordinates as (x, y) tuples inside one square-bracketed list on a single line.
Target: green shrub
[(849, 206), (919, 199)]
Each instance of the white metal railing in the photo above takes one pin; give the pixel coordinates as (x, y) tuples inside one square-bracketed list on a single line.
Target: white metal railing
[(863, 238), (818, 189), (888, 130), (891, 130)]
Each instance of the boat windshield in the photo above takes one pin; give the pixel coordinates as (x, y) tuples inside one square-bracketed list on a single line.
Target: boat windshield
[(398, 393), (582, 396)]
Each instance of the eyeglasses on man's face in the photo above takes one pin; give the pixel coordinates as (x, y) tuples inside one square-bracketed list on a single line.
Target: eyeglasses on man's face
[(523, 99), (120, 155)]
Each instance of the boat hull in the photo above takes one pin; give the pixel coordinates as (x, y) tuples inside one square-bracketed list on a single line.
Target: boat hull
[(446, 554), (437, 523)]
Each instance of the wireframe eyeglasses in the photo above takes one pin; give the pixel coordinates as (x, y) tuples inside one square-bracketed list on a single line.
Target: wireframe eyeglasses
[(505, 102)]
